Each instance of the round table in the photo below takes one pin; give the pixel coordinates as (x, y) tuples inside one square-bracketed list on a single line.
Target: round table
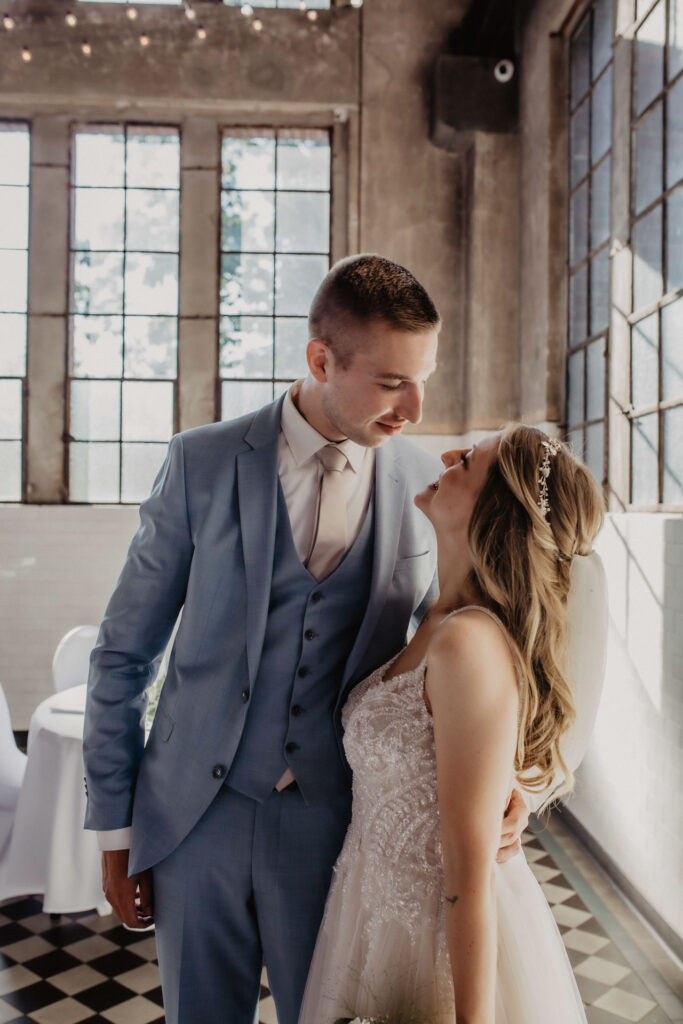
[(49, 851)]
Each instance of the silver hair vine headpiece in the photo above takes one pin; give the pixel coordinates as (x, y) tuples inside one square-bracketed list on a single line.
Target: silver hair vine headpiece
[(550, 448)]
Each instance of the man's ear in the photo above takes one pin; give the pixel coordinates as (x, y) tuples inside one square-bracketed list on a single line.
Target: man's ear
[(318, 356)]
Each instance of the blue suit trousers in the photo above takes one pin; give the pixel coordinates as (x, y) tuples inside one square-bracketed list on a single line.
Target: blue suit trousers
[(246, 887)]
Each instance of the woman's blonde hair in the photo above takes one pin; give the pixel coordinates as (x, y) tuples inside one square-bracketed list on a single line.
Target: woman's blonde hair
[(522, 559)]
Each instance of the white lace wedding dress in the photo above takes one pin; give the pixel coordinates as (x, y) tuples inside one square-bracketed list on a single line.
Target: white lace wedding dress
[(381, 949)]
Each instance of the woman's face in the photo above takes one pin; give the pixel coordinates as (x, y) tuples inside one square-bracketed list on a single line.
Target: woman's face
[(449, 502)]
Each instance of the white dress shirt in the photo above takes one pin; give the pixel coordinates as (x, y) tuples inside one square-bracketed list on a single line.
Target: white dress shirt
[(300, 473)]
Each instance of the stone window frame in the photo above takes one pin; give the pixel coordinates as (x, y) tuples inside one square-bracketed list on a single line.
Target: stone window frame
[(45, 449)]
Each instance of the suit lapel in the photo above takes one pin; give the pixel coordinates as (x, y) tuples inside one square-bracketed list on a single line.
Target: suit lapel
[(390, 488), (257, 483)]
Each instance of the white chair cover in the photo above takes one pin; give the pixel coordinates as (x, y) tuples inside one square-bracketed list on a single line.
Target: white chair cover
[(71, 660), (12, 768)]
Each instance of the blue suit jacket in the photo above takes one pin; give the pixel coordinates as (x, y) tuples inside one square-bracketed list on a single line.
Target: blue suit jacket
[(205, 544)]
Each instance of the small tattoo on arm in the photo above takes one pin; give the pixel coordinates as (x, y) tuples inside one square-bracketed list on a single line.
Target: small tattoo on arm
[(452, 900)]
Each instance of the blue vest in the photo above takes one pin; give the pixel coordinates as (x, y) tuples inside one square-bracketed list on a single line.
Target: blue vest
[(310, 631)]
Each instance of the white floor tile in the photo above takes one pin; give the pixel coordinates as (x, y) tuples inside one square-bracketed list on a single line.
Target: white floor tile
[(26, 949), (266, 1011), (624, 1004), (15, 977), (77, 979), (134, 1011), (66, 1011), (602, 970), (570, 917), (556, 893), (88, 949), (140, 979), (584, 942)]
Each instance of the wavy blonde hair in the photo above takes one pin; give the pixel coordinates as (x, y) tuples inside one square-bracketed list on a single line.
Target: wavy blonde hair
[(522, 564)]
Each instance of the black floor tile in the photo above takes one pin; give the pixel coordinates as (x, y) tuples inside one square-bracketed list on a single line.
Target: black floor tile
[(33, 997), (13, 932), (66, 933), (118, 962), (124, 936), (26, 907), (104, 995), (52, 963), (155, 996)]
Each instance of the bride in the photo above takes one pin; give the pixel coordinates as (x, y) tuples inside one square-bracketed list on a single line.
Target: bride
[(421, 925)]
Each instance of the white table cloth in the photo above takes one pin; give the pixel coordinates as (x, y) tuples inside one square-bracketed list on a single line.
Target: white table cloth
[(49, 850)]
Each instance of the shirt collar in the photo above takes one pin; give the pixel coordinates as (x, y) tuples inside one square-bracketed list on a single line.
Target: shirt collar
[(304, 441)]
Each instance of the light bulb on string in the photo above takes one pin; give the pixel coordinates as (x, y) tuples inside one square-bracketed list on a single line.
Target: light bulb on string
[(356, 3), (132, 13), (190, 13), (144, 40), (257, 24), (8, 22), (302, 5), (26, 55), (247, 10), (71, 19), (86, 48), (201, 32), (312, 15)]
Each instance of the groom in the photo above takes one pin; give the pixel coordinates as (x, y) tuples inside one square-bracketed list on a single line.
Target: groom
[(290, 540)]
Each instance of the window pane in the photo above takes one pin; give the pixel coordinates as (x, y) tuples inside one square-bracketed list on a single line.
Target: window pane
[(648, 138), (152, 159), (246, 346), (291, 339), (600, 204), (10, 470), (595, 450), (13, 281), (601, 125), (576, 443), (675, 37), (674, 241), (249, 162), (580, 61), (647, 259), (578, 306), (151, 346), (13, 215), (297, 279), (672, 483), (603, 33), (99, 158), (152, 220), (644, 464), (97, 346), (248, 221), (238, 398), (246, 284), (303, 222), (649, 58), (580, 143), (147, 411), (95, 411), (644, 362), (595, 380), (12, 344), (672, 351), (14, 157), (93, 472), (674, 134), (98, 218), (303, 163), (578, 225), (10, 410), (599, 271), (151, 283), (575, 386), (140, 465), (97, 283)]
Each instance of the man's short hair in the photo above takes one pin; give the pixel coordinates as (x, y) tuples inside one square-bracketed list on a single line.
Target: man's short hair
[(366, 289)]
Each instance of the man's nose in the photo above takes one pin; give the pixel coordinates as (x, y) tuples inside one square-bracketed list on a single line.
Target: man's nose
[(410, 407), (449, 458)]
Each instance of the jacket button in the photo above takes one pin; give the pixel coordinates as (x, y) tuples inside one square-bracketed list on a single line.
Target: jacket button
[(291, 747), (296, 709), (245, 695), (317, 596), (309, 634), (303, 671), (218, 771)]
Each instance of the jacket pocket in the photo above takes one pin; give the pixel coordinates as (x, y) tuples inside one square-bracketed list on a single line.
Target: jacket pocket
[(163, 724)]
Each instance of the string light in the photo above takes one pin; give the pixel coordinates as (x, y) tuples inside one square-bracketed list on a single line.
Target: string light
[(312, 15), (356, 3), (190, 13), (86, 48), (302, 5), (26, 55), (201, 32), (247, 10), (70, 19), (257, 24), (144, 40), (8, 22), (132, 13)]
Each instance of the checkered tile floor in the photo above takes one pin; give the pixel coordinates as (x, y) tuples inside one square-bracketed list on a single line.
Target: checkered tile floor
[(84, 968)]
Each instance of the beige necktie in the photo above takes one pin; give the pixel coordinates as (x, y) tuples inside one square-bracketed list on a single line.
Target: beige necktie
[(330, 539)]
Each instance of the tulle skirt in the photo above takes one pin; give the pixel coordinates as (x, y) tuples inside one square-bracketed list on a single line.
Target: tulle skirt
[(370, 964)]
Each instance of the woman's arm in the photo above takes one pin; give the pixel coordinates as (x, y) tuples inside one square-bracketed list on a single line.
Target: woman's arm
[(472, 690)]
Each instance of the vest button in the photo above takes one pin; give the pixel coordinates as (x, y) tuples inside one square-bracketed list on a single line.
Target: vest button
[(316, 596), (309, 634), (291, 747), (296, 709), (303, 671), (218, 771), (245, 695)]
